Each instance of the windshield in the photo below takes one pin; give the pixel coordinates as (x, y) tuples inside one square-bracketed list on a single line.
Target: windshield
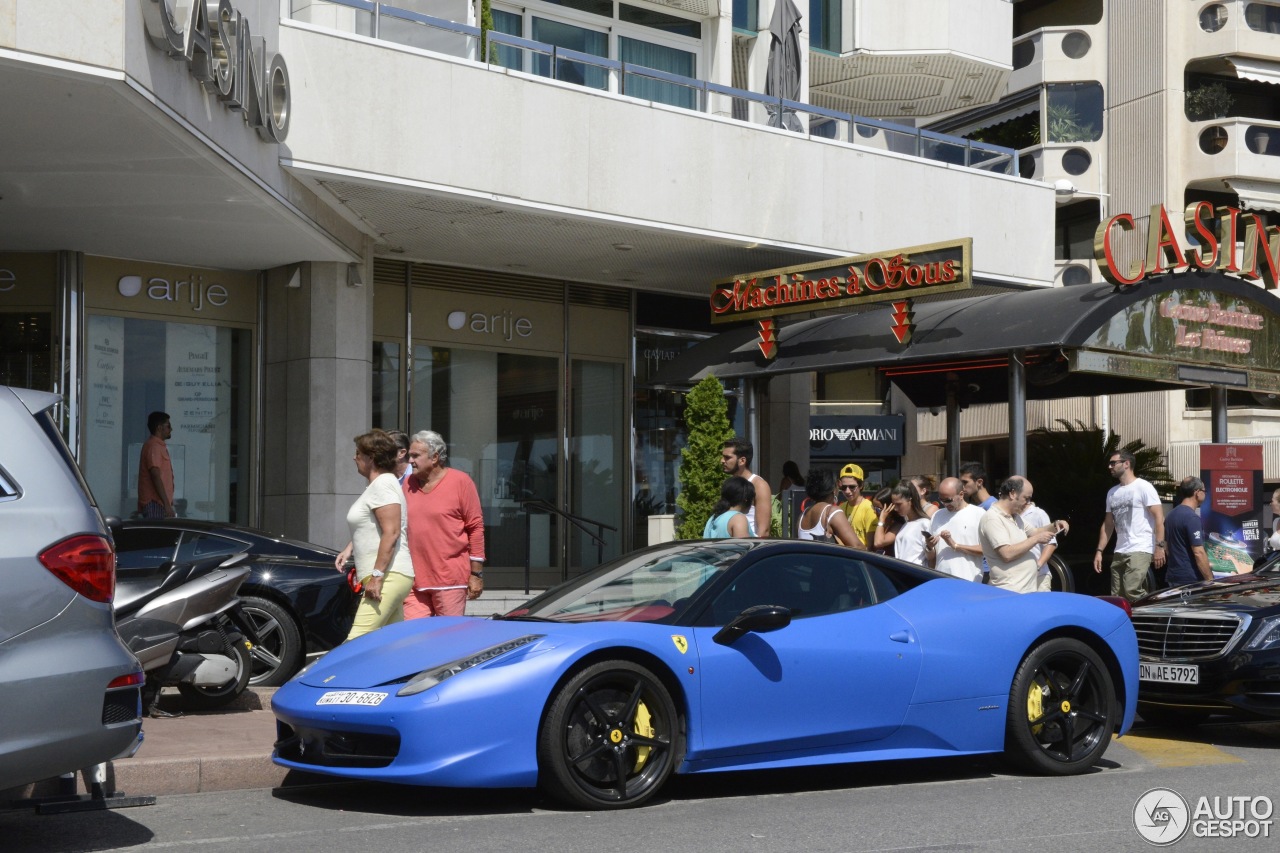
[(644, 587)]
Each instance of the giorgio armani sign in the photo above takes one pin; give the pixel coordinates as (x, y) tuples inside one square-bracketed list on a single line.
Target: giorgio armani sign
[(215, 42), (855, 436)]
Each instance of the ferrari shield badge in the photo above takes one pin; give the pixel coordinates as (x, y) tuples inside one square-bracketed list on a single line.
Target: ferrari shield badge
[(681, 643)]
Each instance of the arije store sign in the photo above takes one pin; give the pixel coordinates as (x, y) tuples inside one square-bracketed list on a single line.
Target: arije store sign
[(1241, 244), (217, 46)]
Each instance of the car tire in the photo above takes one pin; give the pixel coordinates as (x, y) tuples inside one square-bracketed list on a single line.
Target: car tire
[(610, 738), (209, 698), (278, 653), (1060, 575), (1062, 709), (1161, 715)]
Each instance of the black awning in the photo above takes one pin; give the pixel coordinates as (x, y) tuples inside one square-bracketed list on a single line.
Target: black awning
[(973, 335)]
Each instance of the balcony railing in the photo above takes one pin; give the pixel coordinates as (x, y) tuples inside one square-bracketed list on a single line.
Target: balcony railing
[(512, 53)]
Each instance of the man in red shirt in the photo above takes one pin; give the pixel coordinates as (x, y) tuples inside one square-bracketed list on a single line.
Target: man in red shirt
[(155, 471), (446, 532)]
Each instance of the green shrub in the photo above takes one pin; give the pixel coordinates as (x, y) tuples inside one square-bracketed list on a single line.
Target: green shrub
[(706, 417)]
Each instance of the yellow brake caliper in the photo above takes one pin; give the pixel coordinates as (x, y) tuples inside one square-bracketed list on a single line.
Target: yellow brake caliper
[(1035, 706), (644, 728)]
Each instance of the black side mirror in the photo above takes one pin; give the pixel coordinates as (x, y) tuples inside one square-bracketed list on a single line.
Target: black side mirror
[(760, 618)]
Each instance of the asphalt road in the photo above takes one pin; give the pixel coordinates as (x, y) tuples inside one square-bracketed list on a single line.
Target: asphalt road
[(954, 804)]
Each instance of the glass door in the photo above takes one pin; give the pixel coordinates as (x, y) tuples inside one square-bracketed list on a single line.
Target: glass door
[(597, 466), (498, 414)]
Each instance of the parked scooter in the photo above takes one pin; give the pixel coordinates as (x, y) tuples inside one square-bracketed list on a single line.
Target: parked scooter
[(186, 629)]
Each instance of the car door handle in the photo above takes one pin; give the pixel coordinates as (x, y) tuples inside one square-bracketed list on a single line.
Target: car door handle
[(903, 636)]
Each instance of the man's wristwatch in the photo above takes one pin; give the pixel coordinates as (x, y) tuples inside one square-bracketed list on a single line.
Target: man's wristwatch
[(1160, 544), (476, 574), (377, 574)]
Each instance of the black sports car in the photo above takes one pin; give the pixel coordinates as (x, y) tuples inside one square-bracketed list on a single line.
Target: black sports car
[(1211, 648), (297, 601)]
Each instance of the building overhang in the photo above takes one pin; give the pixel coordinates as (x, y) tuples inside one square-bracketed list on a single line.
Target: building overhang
[(95, 163), (1252, 68), (1078, 341), (1254, 194), (903, 84)]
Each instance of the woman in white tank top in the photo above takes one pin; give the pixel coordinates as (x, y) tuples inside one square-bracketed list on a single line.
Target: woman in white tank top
[(824, 521)]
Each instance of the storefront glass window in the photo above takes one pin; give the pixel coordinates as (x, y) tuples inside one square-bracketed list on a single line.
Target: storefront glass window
[(25, 359), (596, 464), (386, 385), (498, 414), (660, 432), (201, 376)]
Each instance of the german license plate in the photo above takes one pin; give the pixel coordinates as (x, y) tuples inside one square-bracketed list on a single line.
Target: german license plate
[(351, 697), (1170, 673)]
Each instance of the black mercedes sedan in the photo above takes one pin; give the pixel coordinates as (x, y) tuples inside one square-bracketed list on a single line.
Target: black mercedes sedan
[(298, 602), (1211, 648)]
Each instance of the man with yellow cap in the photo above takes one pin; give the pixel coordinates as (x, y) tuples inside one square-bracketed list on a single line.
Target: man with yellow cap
[(861, 514)]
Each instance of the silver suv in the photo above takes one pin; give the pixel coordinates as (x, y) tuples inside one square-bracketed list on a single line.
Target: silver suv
[(70, 692)]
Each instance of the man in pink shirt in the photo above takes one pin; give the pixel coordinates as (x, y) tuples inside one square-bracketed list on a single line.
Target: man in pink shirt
[(446, 532), (155, 471)]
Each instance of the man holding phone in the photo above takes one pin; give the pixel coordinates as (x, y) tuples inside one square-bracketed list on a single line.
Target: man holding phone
[(952, 544)]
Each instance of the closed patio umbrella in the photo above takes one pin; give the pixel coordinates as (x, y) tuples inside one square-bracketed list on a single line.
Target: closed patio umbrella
[(782, 79)]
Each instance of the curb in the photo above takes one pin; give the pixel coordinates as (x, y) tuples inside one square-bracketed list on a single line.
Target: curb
[(226, 749)]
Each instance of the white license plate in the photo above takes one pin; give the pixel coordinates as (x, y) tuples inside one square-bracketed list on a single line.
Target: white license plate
[(1171, 673), (351, 697)]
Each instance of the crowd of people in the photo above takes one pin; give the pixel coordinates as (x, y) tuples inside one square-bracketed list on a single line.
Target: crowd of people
[(963, 529), (417, 532)]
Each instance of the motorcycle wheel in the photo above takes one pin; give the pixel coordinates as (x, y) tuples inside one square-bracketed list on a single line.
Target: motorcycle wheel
[(208, 698)]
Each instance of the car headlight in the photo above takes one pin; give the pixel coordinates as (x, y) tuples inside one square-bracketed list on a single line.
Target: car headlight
[(1267, 636), (431, 677)]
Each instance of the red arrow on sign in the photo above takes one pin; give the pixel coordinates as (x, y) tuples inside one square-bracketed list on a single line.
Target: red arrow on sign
[(902, 320), (768, 339)]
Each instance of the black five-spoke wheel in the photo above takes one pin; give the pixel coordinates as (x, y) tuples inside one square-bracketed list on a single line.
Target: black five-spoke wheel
[(1062, 709), (278, 653), (610, 738)]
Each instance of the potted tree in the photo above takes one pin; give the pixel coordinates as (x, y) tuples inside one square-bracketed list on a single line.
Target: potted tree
[(1208, 101), (707, 416)]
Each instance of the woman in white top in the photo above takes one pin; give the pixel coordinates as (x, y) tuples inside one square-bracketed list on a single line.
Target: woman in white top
[(378, 538), (824, 520), (908, 538)]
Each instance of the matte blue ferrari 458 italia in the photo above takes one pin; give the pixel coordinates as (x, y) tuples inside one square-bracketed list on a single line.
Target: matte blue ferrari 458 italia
[(695, 657)]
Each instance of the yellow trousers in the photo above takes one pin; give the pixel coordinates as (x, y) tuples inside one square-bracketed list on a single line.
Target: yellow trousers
[(372, 615)]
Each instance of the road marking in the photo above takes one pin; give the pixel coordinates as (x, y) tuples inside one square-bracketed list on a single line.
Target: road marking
[(1176, 753)]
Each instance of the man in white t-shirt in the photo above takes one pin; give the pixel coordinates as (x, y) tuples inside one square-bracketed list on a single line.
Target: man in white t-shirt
[(952, 545), (1136, 516), (1034, 516)]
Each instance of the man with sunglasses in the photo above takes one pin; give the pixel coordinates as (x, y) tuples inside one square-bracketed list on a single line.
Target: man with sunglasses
[(1188, 561), (1136, 516), (857, 507), (952, 545)]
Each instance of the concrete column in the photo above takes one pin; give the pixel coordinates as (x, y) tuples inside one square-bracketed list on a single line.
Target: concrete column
[(953, 429), (784, 426), (1218, 404), (317, 397), (1017, 415)]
